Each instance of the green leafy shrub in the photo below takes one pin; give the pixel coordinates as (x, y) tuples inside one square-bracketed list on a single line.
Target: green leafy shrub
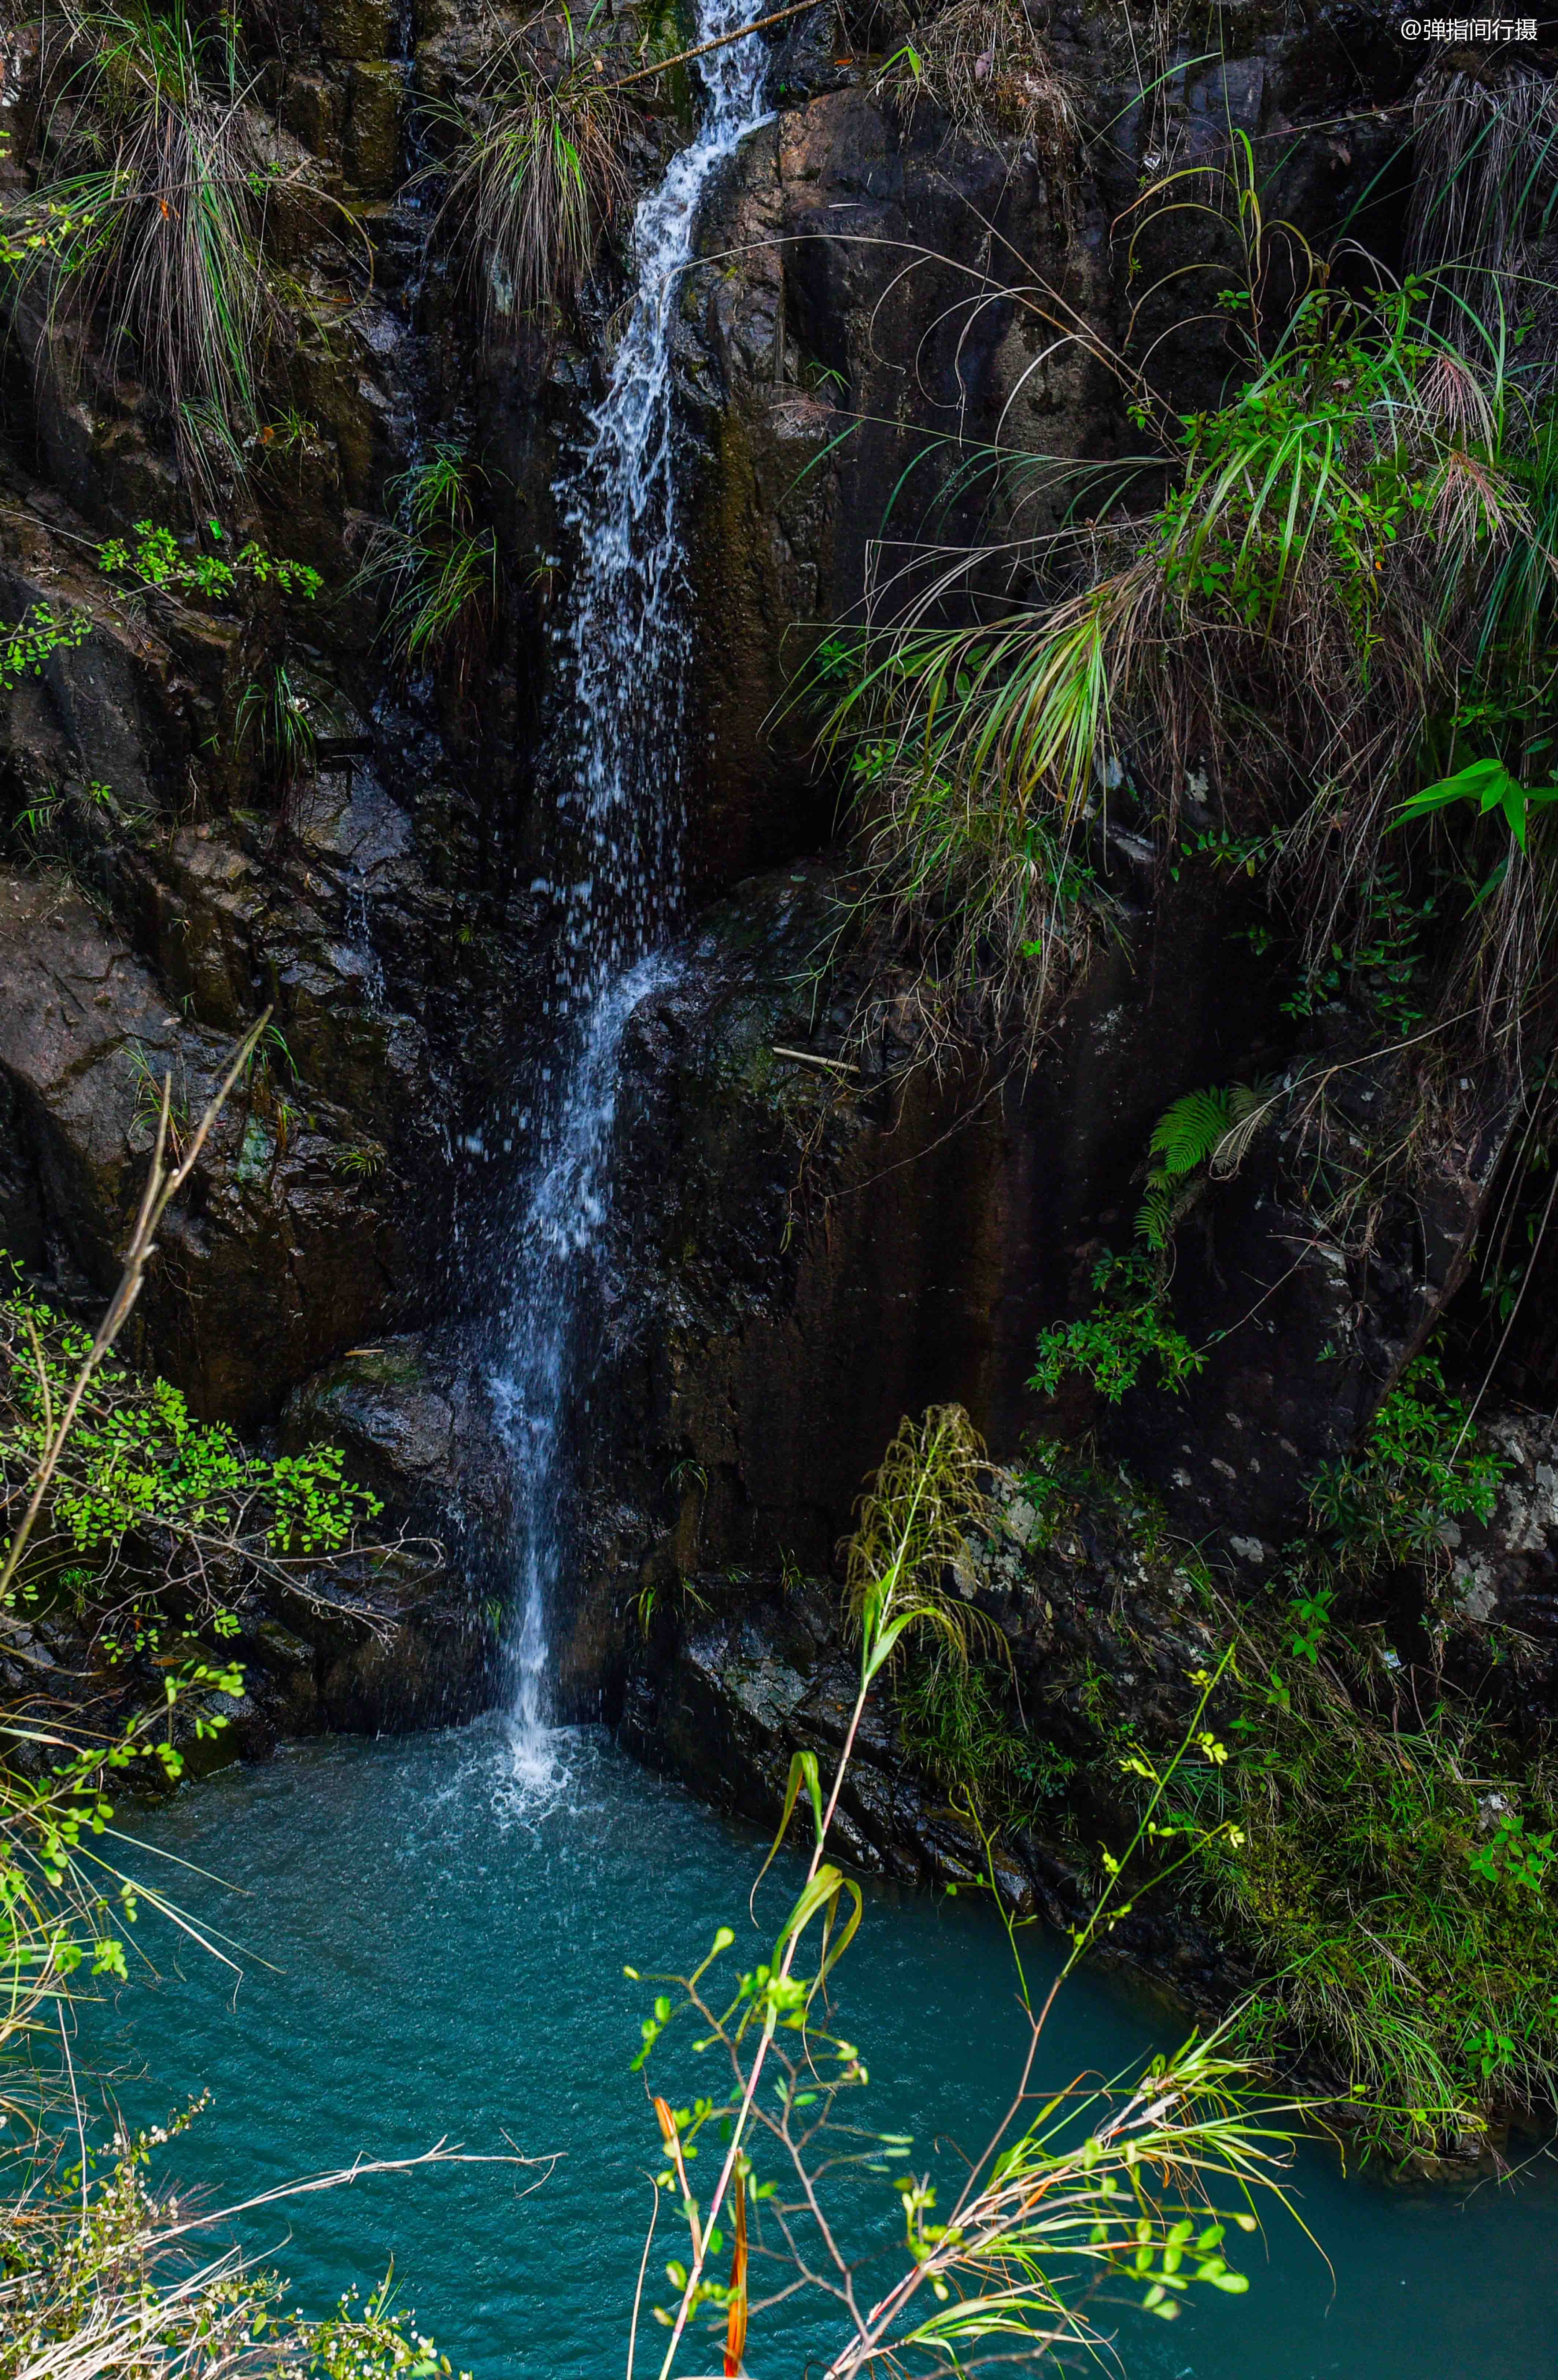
[(154, 558), (118, 1503), (1130, 1330), (1100, 2184), (99, 2282), (1423, 1464), (1368, 1844), (1393, 1885), (147, 1500), (1201, 1135), (1381, 966), (1487, 785), (31, 641)]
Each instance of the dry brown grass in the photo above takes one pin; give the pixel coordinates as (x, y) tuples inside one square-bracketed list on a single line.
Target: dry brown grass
[(1487, 173), (982, 65)]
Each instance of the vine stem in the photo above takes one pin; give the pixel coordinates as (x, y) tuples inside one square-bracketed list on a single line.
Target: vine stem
[(728, 2169), (879, 1631)]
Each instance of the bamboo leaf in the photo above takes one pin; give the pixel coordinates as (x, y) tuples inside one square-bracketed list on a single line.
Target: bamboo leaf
[(803, 1770)]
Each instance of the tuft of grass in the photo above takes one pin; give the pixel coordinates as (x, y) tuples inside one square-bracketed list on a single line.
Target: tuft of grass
[(1338, 512), (975, 915), (1366, 532), (537, 172), (1486, 158), (357, 1160), (1394, 1886), (960, 1722), (273, 720), (437, 569), (149, 230)]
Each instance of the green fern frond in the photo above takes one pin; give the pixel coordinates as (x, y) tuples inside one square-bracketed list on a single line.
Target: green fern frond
[(1212, 1127), (1157, 1215), (1187, 1133)]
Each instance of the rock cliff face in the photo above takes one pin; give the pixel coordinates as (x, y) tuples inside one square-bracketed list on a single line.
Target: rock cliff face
[(803, 1247)]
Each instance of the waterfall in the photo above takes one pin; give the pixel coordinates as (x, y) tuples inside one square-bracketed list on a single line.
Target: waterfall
[(626, 645)]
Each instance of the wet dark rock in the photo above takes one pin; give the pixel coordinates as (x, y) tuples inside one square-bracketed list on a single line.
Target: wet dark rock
[(1307, 1321), (731, 1674), (803, 1251), (275, 1258), (428, 1659), (803, 1247), (414, 1416), (1496, 1600)]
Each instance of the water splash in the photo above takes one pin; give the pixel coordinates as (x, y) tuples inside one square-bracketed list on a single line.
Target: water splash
[(626, 643), (539, 1391)]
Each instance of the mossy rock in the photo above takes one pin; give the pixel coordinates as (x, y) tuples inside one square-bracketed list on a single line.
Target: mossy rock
[(357, 29), (378, 88)]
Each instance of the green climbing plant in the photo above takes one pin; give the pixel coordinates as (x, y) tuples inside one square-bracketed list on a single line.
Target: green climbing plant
[(204, 564), (1130, 1331), (29, 643)]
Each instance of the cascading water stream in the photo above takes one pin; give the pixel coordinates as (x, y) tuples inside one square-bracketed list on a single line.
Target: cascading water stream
[(627, 643)]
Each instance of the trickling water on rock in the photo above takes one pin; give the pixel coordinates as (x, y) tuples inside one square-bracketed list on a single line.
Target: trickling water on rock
[(628, 638)]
